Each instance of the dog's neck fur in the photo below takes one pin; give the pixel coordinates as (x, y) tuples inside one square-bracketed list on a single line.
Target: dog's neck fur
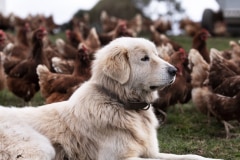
[(130, 98), (129, 105)]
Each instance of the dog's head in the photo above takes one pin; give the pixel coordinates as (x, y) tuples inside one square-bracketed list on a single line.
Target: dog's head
[(134, 62)]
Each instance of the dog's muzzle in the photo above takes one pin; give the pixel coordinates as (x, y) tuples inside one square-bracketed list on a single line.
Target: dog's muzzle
[(172, 71)]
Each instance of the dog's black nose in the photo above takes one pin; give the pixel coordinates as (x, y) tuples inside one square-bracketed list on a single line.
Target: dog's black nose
[(172, 71)]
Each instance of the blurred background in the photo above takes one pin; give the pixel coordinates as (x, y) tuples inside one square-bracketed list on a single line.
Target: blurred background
[(173, 11), (67, 34)]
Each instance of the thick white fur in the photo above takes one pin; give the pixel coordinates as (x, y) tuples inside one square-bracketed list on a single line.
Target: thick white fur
[(91, 125)]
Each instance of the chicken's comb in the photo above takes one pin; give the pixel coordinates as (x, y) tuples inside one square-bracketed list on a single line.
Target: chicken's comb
[(122, 22), (2, 32), (181, 50), (67, 32), (42, 28), (204, 30), (27, 24), (83, 47)]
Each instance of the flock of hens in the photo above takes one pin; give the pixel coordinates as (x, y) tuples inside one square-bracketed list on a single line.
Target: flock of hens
[(30, 62)]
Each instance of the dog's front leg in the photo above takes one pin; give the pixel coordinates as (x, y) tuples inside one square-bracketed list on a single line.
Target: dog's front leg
[(137, 158), (167, 156)]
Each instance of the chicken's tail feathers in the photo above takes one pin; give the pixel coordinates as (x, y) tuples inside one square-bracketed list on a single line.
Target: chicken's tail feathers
[(42, 71)]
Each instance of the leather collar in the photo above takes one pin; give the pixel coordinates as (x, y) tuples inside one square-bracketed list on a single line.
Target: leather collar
[(126, 105)]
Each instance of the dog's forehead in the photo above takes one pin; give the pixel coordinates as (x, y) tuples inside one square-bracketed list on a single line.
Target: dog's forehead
[(130, 42), (141, 45), (143, 50)]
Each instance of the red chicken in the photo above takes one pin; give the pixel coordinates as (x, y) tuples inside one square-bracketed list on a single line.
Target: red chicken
[(199, 43), (22, 79), (56, 87)]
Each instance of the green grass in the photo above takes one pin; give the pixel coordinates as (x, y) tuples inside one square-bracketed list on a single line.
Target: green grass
[(9, 99), (184, 132), (220, 43), (189, 132)]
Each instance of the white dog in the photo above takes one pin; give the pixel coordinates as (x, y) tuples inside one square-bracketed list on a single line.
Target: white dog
[(108, 118)]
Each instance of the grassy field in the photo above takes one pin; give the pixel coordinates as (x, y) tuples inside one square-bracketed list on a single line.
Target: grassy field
[(184, 132)]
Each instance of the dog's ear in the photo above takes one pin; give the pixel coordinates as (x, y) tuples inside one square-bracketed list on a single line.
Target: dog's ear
[(117, 65)]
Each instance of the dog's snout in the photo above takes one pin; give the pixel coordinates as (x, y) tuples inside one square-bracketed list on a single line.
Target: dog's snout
[(172, 71)]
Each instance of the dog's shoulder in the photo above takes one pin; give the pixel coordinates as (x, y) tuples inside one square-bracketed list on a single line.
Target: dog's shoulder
[(104, 111)]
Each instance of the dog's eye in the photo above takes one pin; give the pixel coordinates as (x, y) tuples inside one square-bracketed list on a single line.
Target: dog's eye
[(145, 58)]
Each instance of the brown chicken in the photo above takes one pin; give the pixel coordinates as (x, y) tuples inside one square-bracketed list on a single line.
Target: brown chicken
[(65, 50), (2, 74), (199, 68), (199, 75), (57, 87), (65, 64), (3, 40), (161, 39), (221, 97), (225, 109), (162, 25), (180, 90), (61, 65), (219, 69), (22, 79), (92, 41), (229, 87), (73, 37), (120, 30), (235, 47), (9, 61), (165, 51), (229, 82), (19, 50), (108, 23), (233, 54), (190, 27), (221, 107), (199, 43), (23, 35), (135, 24), (22, 44)]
